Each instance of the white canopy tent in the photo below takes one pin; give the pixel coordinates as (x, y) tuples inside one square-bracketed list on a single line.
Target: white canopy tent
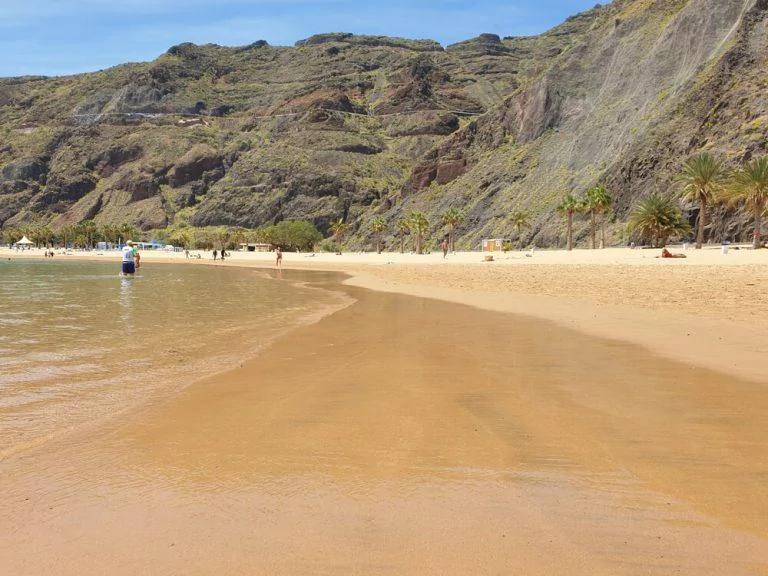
[(24, 242)]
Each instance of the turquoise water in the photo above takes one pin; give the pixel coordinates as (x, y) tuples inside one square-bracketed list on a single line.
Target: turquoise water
[(78, 342)]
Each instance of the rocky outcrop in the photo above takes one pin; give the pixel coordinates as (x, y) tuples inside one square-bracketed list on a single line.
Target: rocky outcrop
[(13, 202), (67, 188), (25, 169), (106, 162), (139, 185), (422, 123), (372, 41), (193, 165)]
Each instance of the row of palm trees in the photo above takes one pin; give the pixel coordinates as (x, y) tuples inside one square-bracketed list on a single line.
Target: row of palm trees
[(703, 181), (416, 224), (85, 234), (88, 234), (596, 202), (707, 182)]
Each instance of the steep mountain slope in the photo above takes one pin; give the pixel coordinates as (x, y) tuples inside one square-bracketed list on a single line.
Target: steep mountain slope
[(647, 85), (343, 126), (245, 136)]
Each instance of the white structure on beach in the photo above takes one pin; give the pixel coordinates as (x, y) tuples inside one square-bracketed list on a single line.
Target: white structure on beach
[(495, 244), (24, 243), (255, 247)]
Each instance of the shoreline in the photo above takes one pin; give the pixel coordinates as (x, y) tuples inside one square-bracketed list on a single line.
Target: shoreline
[(181, 365), (703, 311)]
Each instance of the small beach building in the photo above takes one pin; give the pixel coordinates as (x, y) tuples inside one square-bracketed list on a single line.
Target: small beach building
[(495, 244), (255, 247), (153, 245)]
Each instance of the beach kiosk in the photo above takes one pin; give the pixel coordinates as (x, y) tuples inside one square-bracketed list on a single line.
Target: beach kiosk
[(495, 244)]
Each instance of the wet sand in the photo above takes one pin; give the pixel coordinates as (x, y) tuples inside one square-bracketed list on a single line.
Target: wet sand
[(405, 435), (706, 310)]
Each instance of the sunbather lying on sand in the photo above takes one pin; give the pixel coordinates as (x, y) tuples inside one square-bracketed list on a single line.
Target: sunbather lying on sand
[(667, 254)]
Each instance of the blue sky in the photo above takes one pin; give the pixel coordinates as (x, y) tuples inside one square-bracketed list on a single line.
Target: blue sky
[(55, 37)]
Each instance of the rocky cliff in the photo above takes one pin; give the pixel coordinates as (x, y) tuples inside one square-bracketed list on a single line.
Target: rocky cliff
[(352, 127)]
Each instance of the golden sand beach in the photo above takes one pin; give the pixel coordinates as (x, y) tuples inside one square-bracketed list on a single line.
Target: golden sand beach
[(567, 413)]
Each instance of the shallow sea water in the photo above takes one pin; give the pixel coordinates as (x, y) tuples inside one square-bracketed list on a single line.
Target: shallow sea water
[(79, 342)]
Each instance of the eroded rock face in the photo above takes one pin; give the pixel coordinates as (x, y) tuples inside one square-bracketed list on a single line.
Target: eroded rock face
[(139, 185), (25, 169), (318, 198), (68, 187), (422, 123), (535, 111), (191, 167), (449, 171), (105, 163), (13, 202)]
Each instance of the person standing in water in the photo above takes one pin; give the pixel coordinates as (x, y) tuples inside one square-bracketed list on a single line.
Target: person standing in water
[(131, 258), (278, 258)]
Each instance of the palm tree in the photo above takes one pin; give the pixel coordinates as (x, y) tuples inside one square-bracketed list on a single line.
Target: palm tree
[(222, 239), (419, 225), (42, 236), (67, 234), (702, 179), (337, 230), (9, 235), (378, 225), (403, 229), (598, 201), (236, 237), (452, 218), (127, 232), (569, 206), (656, 218), (182, 237), (520, 219), (204, 238), (749, 184), (86, 233)]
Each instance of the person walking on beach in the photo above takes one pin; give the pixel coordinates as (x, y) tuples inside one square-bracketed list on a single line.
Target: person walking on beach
[(131, 258), (223, 254), (215, 254), (444, 246), (278, 258)]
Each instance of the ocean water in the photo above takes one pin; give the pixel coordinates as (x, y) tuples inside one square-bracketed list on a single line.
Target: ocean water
[(79, 343)]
